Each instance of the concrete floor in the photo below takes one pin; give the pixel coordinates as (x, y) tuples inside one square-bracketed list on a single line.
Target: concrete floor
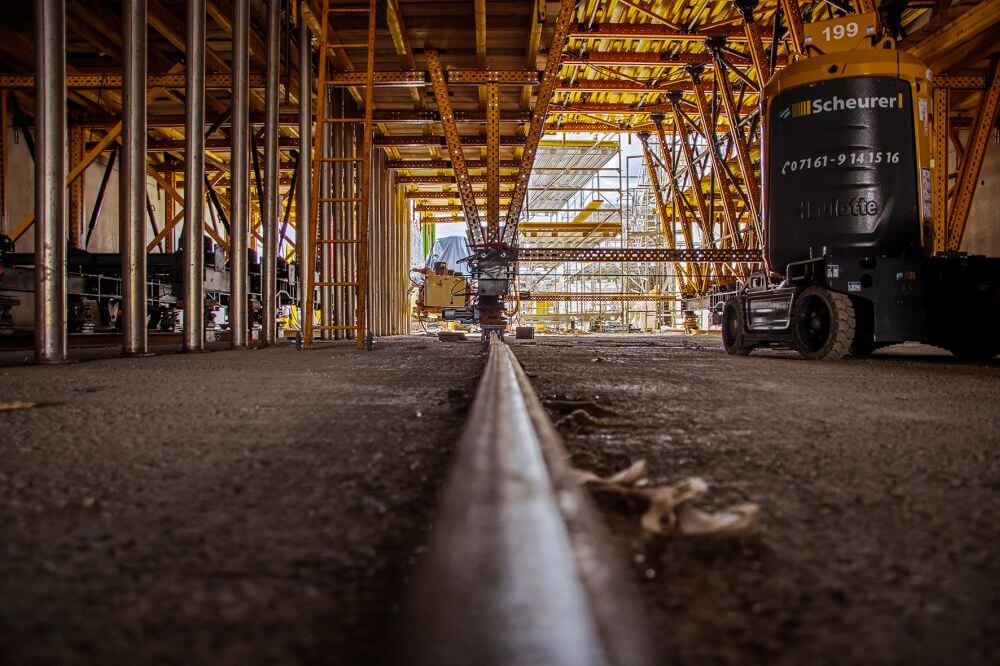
[(226, 508), (268, 506), (877, 478)]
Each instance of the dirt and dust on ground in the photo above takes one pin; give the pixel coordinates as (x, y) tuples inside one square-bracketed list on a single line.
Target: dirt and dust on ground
[(877, 480), (236, 507)]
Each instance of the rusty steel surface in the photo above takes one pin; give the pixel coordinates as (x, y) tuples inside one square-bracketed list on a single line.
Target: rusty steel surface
[(454, 143), (519, 569), (972, 161), (537, 126)]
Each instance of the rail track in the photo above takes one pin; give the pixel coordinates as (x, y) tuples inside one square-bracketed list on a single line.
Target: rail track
[(519, 570)]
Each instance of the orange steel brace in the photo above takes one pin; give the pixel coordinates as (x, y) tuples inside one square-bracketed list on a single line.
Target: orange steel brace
[(682, 207), (752, 31), (661, 209), (793, 17), (537, 126), (740, 143), (707, 224), (493, 162), (76, 188), (972, 160), (718, 171), (939, 174), (89, 158), (454, 147)]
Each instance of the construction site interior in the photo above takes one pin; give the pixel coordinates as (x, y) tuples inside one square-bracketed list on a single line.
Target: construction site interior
[(534, 331)]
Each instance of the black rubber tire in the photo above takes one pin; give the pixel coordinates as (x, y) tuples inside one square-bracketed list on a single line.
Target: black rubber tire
[(733, 328), (822, 324)]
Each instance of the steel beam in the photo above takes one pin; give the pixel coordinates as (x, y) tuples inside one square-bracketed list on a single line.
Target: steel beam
[(272, 157), (492, 162), (445, 165), (647, 59), (454, 142), (640, 255), (76, 189), (796, 29), (718, 169), (50, 165), (303, 240), (239, 189), (682, 208), (325, 226), (94, 152), (654, 31), (463, 140), (654, 183), (739, 142), (972, 160), (939, 173), (455, 196), (537, 126), (132, 179), (752, 32), (687, 157), (115, 81), (194, 180), (450, 180)]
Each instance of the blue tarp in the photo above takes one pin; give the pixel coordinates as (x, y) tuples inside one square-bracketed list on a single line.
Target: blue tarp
[(451, 250)]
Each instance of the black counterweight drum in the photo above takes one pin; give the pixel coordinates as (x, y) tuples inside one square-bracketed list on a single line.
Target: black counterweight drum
[(841, 170)]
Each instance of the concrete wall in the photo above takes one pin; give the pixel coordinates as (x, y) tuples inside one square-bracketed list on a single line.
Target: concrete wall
[(21, 199), (982, 235)]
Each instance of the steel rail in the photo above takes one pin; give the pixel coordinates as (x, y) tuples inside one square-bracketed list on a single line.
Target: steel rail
[(519, 570)]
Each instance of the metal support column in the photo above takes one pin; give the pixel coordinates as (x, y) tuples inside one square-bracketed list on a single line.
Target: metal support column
[(326, 218), (50, 169), (239, 187), (304, 205), (132, 179), (194, 179), (340, 230), (972, 160), (272, 208), (939, 175)]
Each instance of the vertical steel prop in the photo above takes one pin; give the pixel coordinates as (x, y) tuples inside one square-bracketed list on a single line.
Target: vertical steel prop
[(194, 179), (303, 238), (269, 279), (239, 187), (340, 213), (50, 168), (325, 219), (132, 179)]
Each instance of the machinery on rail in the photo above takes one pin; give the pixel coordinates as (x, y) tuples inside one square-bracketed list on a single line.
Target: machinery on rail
[(846, 164)]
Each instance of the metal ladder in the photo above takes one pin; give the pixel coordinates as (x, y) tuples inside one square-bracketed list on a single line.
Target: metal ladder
[(356, 199)]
